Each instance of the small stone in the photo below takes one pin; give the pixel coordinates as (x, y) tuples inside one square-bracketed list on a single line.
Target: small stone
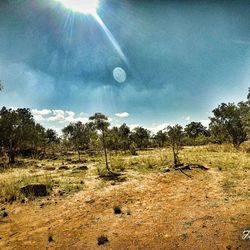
[(50, 238), (3, 214), (49, 168), (184, 236), (42, 205), (165, 170), (117, 210), (89, 200), (63, 168), (81, 168), (102, 240)]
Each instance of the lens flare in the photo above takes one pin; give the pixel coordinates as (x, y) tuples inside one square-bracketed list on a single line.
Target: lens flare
[(90, 7), (87, 7)]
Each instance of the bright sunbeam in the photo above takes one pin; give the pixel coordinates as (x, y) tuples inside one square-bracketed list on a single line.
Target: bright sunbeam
[(111, 38), (87, 7)]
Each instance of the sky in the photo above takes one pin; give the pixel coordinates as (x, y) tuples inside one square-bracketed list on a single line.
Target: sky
[(149, 63)]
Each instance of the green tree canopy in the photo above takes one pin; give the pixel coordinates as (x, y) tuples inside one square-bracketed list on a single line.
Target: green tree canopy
[(195, 129), (79, 135), (17, 130), (227, 125)]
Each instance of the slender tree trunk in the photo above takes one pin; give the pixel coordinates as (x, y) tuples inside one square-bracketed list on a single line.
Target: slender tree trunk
[(194, 141), (11, 154), (175, 153), (105, 151)]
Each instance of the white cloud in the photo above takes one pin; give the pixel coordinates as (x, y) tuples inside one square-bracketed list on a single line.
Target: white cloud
[(133, 126), (41, 112), (122, 115), (155, 128), (205, 122), (38, 118), (70, 113), (57, 116)]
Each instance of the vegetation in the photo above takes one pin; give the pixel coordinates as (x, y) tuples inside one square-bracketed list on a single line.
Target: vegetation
[(175, 135), (1, 86), (25, 143)]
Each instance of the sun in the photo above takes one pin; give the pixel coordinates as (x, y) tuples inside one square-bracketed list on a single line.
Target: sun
[(87, 7)]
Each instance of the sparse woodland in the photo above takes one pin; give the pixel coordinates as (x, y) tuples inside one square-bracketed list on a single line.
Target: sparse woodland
[(20, 135), (96, 184)]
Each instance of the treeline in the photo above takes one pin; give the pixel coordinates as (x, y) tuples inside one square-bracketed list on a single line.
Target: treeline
[(21, 135)]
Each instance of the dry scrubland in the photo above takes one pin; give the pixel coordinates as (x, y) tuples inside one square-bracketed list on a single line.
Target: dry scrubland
[(142, 209)]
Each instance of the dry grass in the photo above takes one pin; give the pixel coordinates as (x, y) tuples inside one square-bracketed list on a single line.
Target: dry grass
[(149, 210), (234, 165)]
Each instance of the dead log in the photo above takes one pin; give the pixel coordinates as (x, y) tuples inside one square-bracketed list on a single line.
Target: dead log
[(198, 166), (181, 167)]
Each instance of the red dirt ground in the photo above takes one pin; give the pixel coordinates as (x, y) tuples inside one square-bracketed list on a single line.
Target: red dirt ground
[(160, 211)]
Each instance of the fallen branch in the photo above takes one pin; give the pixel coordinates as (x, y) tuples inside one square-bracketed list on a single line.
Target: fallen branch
[(181, 167), (185, 174)]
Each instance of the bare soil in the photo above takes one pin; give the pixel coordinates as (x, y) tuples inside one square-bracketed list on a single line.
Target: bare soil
[(159, 211)]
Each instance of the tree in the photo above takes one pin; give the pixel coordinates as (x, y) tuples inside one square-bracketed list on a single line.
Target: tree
[(113, 139), (78, 134), (100, 122), (160, 138), (140, 136), (17, 129), (175, 136), (1, 86), (124, 132), (244, 108), (227, 124), (51, 139), (39, 138), (195, 129)]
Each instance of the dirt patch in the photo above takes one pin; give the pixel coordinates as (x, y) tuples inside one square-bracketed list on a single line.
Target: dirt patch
[(159, 211)]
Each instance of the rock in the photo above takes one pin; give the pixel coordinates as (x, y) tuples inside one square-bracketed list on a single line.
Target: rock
[(42, 205), (102, 240), (81, 168), (184, 236), (61, 192), (3, 214), (117, 210), (49, 168), (165, 170), (63, 168), (89, 200), (50, 238), (36, 190)]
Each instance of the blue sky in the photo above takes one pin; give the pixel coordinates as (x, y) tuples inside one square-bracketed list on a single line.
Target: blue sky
[(183, 59)]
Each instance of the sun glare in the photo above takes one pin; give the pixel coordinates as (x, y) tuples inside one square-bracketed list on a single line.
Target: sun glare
[(87, 7)]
